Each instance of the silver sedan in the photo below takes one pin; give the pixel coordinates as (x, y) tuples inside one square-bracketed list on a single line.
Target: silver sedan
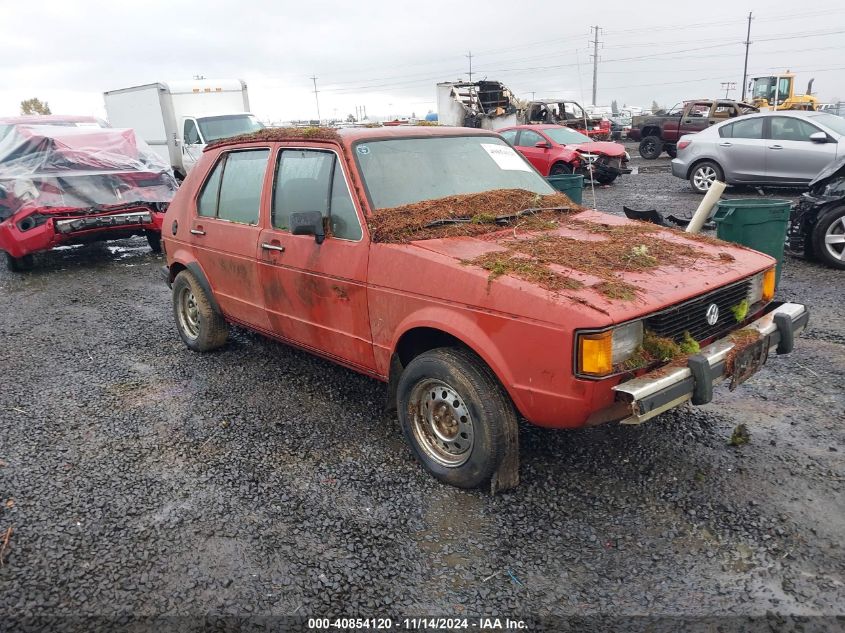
[(782, 148)]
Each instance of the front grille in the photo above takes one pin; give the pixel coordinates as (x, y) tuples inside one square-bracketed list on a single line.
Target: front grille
[(691, 316)]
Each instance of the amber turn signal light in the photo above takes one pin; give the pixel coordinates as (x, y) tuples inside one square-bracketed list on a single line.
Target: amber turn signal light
[(769, 285), (595, 353)]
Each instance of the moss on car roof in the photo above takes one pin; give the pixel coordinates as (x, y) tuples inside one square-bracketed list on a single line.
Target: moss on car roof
[(278, 134)]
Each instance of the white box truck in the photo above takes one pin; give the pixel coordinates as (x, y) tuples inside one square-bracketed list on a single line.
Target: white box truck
[(178, 118)]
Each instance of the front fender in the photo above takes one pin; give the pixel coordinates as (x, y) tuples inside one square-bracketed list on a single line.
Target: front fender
[(464, 326)]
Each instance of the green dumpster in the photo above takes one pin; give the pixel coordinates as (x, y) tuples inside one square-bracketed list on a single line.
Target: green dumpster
[(570, 184), (756, 223)]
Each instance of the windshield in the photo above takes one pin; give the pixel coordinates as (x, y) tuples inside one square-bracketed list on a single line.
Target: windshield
[(217, 127), (405, 171), (566, 136), (830, 121)]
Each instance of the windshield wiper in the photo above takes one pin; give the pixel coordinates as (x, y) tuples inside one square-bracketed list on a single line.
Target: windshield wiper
[(499, 219)]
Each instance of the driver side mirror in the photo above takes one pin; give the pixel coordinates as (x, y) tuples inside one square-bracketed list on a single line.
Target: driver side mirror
[(308, 223), (542, 145), (818, 137)]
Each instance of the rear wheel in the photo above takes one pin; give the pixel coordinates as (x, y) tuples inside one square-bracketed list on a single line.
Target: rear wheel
[(19, 264), (828, 238), (200, 325), (672, 150), (703, 176), (651, 147), (458, 420), (560, 169)]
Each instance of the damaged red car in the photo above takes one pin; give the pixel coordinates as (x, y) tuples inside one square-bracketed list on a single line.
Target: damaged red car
[(439, 261), (556, 150), (64, 183)]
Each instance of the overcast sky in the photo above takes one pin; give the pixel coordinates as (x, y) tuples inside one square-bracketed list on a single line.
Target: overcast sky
[(388, 56)]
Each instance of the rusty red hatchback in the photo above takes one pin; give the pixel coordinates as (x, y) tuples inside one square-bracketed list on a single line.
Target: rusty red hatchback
[(439, 261)]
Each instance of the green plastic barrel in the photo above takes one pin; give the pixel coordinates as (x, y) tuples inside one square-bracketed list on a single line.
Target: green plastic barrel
[(570, 184), (755, 223)]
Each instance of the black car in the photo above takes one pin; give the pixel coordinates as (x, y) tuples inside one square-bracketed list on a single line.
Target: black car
[(817, 221)]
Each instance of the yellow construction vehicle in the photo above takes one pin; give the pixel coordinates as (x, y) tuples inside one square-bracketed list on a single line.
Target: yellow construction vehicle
[(777, 92)]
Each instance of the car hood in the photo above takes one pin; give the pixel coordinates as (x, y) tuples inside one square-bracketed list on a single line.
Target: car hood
[(613, 150), (721, 263), (836, 169)]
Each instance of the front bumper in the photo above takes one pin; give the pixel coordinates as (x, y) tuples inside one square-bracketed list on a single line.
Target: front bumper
[(77, 229), (661, 390)]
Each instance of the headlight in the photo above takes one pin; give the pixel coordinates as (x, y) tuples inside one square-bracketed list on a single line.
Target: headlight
[(600, 352), (762, 287), (589, 157)]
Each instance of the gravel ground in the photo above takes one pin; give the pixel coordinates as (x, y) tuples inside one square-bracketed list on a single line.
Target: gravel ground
[(140, 478)]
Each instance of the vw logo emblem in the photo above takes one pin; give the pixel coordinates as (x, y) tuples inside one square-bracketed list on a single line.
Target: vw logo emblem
[(712, 314)]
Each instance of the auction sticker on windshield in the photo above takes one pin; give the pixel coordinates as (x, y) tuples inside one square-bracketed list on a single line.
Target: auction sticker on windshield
[(506, 157)]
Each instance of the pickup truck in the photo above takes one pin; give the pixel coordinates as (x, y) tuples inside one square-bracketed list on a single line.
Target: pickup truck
[(660, 132), (439, 261)]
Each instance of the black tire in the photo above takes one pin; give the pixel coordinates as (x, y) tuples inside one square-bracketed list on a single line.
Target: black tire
[(560, 169), (201, 327), (154, 240), (606, 180), (454, 382), (20, 264), (830, 226), (651, 147), (703, 174), (672, 150)]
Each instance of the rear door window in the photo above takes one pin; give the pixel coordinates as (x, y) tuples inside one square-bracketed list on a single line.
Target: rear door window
[(509, 136), (745, 128), (233, 190), (313, 180)]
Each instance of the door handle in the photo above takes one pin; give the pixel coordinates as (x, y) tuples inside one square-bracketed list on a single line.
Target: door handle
[(272, 247), (775, 146), (197, 232), (725, 144)]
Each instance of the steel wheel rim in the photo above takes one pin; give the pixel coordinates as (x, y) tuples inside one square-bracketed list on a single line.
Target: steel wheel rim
[(834, 239), (441, 423), (189, 318), (704, 177)]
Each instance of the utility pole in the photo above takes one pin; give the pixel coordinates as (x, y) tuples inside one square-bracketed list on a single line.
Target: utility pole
[(316, 98), (727, 86), (595, 30), (745, 68), (469, 56)]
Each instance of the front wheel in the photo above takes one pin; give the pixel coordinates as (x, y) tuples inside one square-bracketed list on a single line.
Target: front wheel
[(560, 169), (458, 420), (704, 175), (19, 264), (200, 325), (154, 240), (651, 147), (828, 238)]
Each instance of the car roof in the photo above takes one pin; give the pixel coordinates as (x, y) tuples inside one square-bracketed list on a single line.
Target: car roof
[(539, 126), (47, 118), (348, 136)]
